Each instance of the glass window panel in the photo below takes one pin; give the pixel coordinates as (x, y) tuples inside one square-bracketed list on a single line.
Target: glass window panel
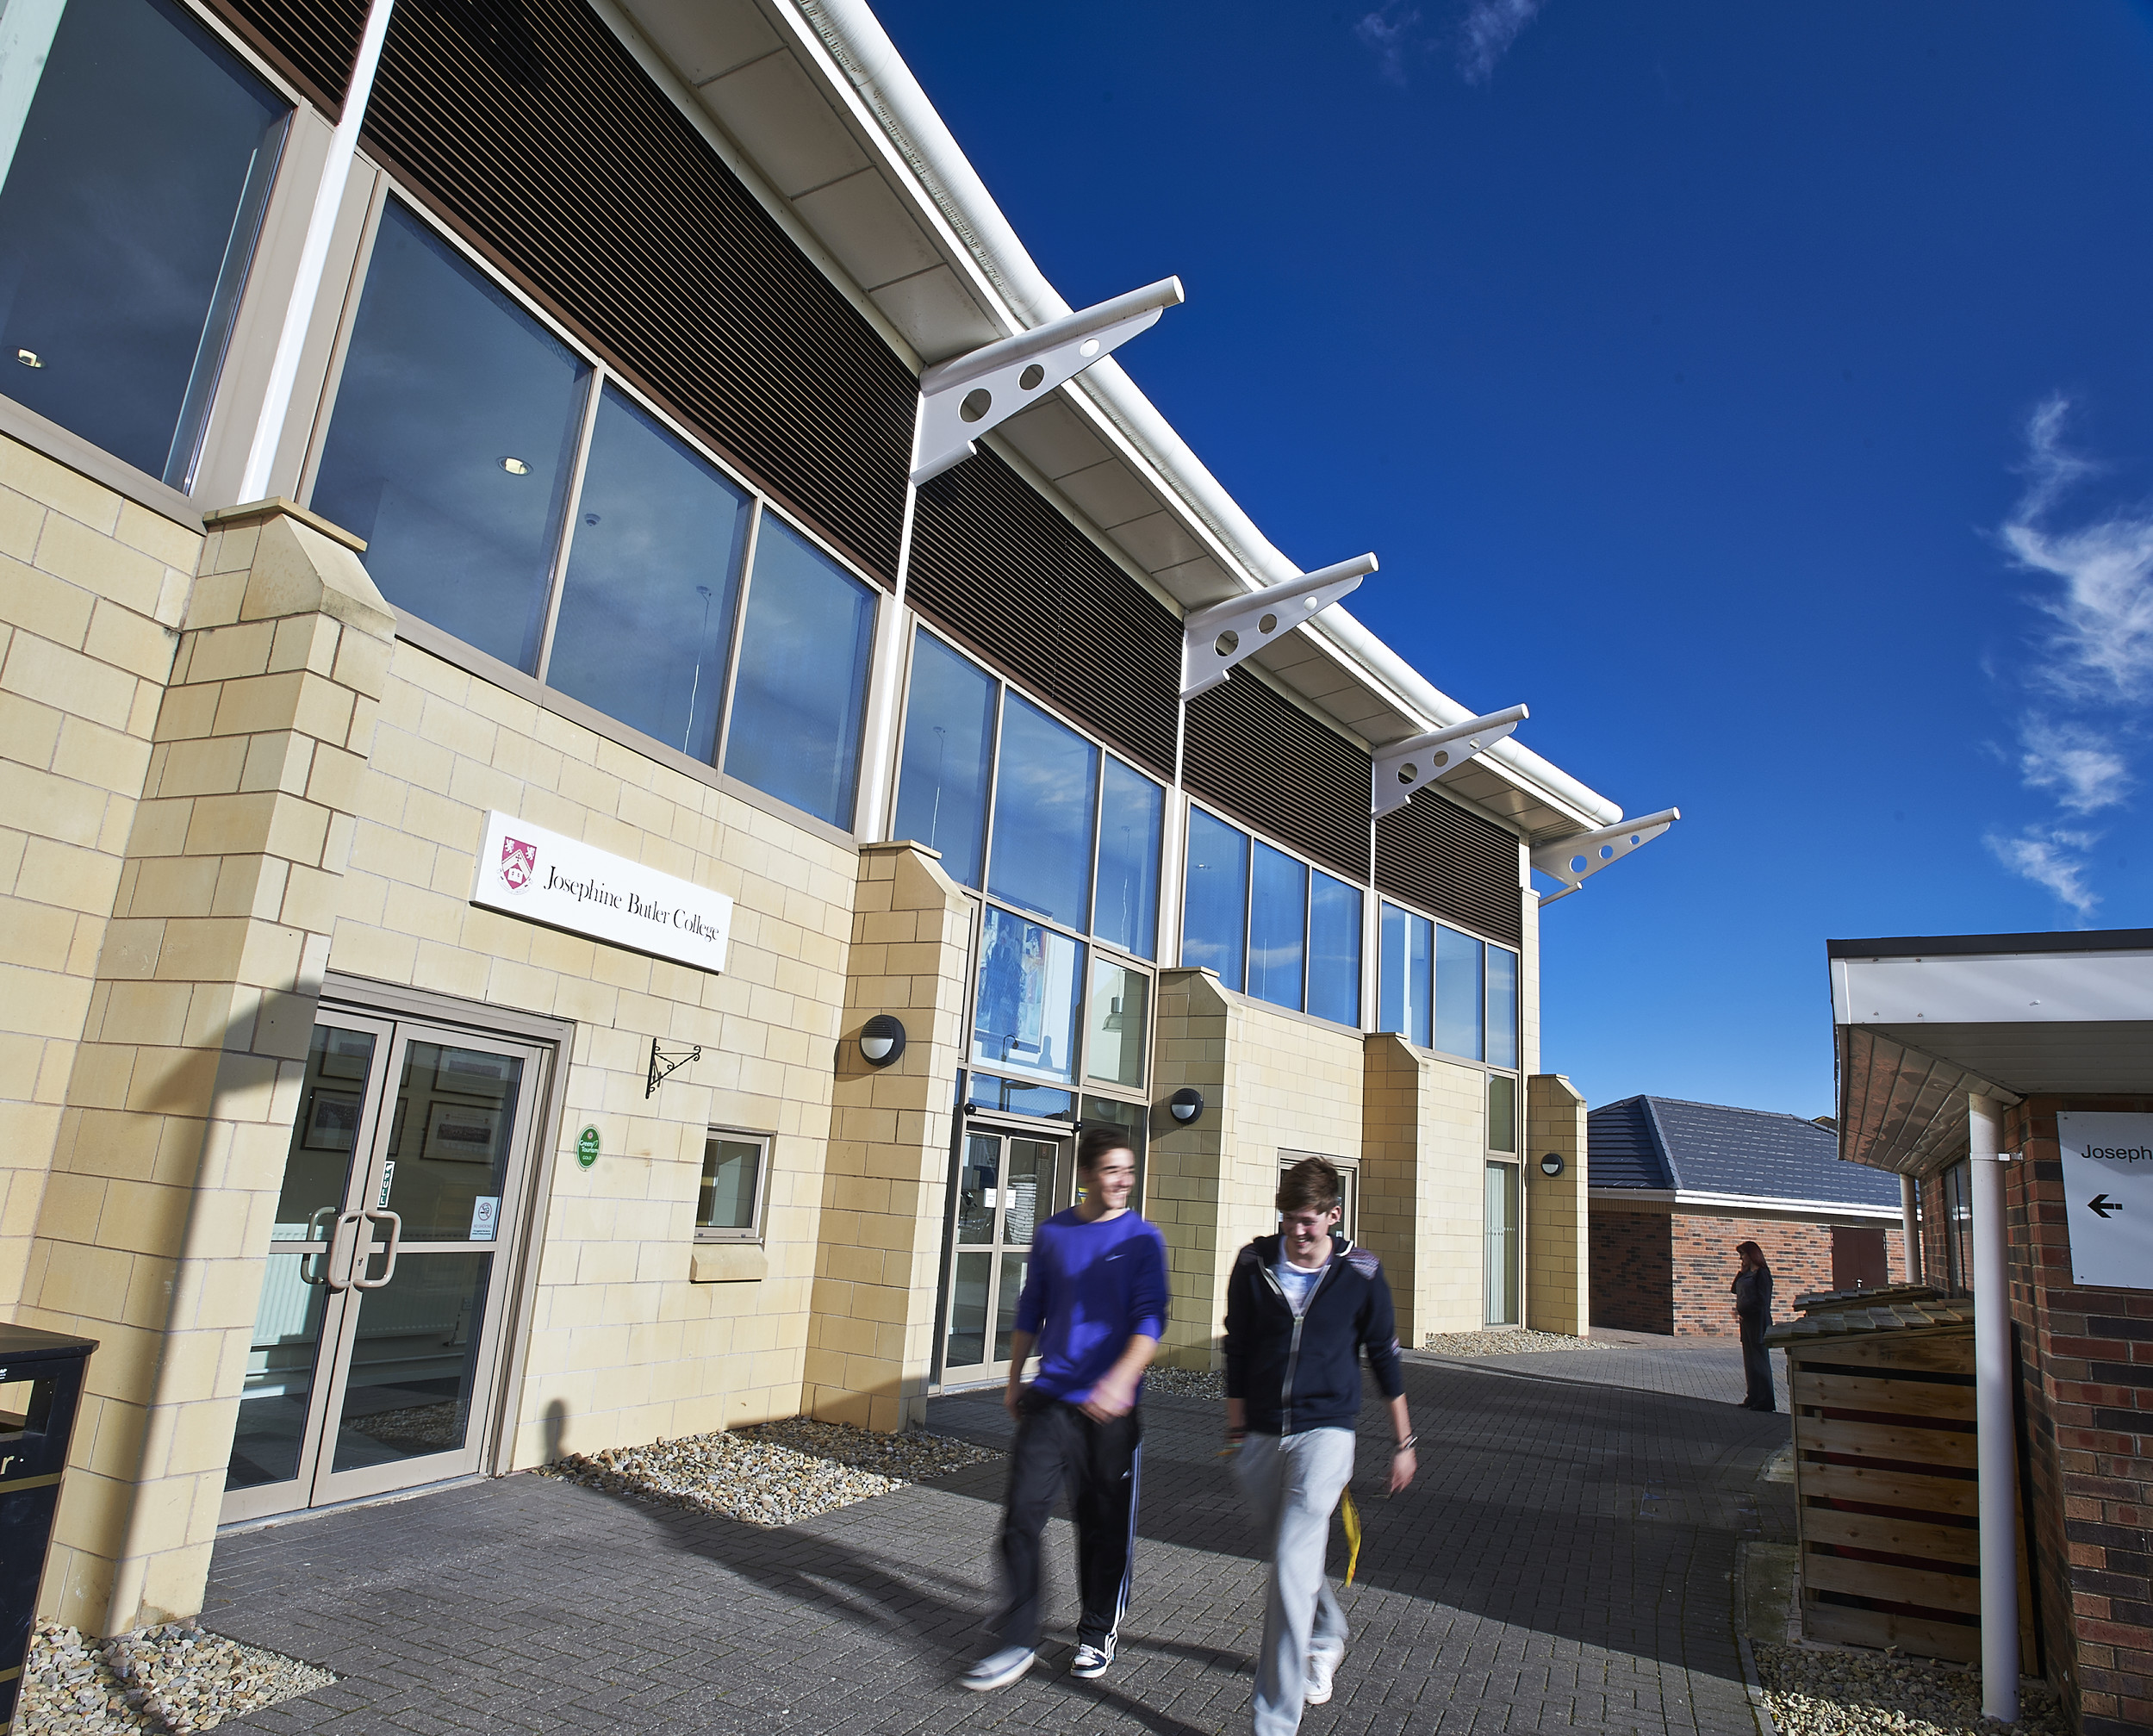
[(1333, 949), (134, 165), (1500, 1281), (1117, 1017), (1026, 1019), (967, 1311), (986, 1091), (414, 1360), (978, 1187), (731, 1170), (1215, 914), (1502, 1113), (1457, 992), (448, 1146), (1029, 1186), (1046, 787), (1132, 821), (1014, 1266), (942, 780), (1277, 927), (1502, 1006), (318, 1165), (653, 578), (1403, 999), (451, 443), (802, 685)]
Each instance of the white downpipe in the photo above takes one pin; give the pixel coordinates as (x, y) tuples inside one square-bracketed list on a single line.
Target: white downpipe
[(314, 258), (1997, 1441), (1910, 1226)]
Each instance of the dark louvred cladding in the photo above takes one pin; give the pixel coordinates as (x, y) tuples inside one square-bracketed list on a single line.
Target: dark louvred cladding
[(1256, 754), (311, 42), (1452, 863), (998, 566), (527, 125)]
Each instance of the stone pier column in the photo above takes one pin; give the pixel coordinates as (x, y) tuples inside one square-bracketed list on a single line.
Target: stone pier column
[(1557, 1240)]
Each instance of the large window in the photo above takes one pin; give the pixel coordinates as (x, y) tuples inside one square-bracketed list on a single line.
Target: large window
[(1269, 925), (1445, 990), (580, 539), (1075, 833), (136, 157), (1024, 1019), (728, 1203)]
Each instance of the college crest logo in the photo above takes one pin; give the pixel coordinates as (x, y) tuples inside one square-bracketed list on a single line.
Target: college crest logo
[(519, 863)]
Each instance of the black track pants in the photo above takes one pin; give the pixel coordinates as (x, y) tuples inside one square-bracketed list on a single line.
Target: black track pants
[(1757, 1366), (1057, 1446)]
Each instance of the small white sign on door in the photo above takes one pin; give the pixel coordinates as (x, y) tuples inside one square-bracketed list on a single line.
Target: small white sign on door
[(2108, 1191), (485, 1217)]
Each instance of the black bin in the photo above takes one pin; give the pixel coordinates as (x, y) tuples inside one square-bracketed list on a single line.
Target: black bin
[(40, 1388)]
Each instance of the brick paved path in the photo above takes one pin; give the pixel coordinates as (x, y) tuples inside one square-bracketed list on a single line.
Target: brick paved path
[(1562, 1566)]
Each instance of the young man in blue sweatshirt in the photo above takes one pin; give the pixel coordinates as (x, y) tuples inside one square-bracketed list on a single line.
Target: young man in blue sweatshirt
[(1302, 1307), (1094, 1302)]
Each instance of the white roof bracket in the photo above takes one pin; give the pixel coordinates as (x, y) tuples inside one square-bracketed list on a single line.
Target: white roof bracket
[(1214, 640), (962, 398), (1407, 766), (1573, 860)]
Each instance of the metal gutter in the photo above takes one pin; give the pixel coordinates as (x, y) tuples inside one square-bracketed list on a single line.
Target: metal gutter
[(1742, 1201), (862, 51)]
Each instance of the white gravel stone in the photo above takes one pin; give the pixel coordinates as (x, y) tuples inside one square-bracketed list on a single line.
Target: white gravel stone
[(1186, 1383), (1507, 1341), (773, 1474), (1846, 1691), (169, 1680)]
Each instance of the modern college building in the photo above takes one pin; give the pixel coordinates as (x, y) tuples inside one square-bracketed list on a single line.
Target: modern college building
[(487, 726)]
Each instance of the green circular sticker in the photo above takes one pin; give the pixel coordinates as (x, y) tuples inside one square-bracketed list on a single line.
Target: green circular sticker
[(586, 1147)]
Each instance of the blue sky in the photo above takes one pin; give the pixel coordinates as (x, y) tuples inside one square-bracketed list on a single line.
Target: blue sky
[(1762, 394)]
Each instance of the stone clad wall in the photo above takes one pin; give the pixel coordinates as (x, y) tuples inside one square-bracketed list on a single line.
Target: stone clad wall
[(1557, 1253), (1423, 1185)]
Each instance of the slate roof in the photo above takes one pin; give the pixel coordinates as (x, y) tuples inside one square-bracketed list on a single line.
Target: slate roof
[(1708, 1148)]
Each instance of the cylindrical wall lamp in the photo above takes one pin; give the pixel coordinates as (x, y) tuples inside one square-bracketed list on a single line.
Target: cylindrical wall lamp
[(1185, 1106), (1551, 1164), (882, 1040)]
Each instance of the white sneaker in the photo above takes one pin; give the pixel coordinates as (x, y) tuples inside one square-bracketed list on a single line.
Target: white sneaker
[(1092, 1661), (1322, 1667), (998, 1669)]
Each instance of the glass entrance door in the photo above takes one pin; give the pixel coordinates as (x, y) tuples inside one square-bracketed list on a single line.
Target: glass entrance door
[(377, 1339), (1009, 1181), (1502, 1261)]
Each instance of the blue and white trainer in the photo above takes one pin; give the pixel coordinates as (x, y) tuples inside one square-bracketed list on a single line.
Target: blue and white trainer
[(998, 1669), (1092, 1661)]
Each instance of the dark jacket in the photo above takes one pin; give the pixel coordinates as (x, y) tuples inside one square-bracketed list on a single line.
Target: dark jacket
[(1752, 1296), (1298, 1374)]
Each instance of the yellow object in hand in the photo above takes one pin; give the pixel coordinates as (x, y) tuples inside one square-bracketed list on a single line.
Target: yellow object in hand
[(1351, 1514)]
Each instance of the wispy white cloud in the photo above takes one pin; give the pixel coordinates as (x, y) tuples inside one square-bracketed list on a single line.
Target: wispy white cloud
[(1489, 27), (1388, 31), (2055, 859), (2101, 648), (2080, 764)]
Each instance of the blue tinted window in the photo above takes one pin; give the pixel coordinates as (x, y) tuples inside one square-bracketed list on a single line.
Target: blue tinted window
[(1458, 993), (1402, 993), (1026, 1019), (1214, 913), (1502, 1008), (797, 700), (1132, 816), (1277, 927), (948, 747), (1333, 949), (653, 576), (451, 443), (1046, 791), (132, 186)]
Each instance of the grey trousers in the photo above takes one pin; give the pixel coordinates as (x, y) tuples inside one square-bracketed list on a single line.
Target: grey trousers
[(1291, 1485)]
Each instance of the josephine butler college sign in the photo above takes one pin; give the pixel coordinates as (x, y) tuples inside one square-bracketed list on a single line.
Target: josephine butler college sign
[(525, 870)]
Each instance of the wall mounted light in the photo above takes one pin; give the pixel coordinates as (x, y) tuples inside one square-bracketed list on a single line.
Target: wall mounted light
[(1185, 1106), (882, 1040), (1551, 1164)]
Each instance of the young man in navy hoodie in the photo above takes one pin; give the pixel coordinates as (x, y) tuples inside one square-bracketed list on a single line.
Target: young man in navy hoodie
[(1301, 1308), (1094, 1302)]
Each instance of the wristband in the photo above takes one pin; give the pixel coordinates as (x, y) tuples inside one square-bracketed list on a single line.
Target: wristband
[(1404, 1446)]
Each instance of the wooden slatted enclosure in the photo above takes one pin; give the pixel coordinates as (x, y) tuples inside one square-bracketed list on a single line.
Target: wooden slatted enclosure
[(1887, 1502)]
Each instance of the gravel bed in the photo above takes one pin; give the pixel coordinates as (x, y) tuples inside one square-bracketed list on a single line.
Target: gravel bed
[(1507, 1341), (1827, 1691), (168, 1680), (1186, 1383), (773, 1474)]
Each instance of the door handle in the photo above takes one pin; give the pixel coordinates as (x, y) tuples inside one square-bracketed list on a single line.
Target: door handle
[(359, 1279), (337, 1273), (313, 1233)]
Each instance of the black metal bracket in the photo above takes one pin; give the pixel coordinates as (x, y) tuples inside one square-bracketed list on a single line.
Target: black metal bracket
[(664, 1066)]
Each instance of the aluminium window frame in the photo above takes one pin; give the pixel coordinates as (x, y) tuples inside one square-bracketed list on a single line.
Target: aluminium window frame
[(754, 1233), (1516, 952), (601, 375)]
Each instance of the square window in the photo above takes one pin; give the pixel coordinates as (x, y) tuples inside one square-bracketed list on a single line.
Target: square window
[(729, 1203)]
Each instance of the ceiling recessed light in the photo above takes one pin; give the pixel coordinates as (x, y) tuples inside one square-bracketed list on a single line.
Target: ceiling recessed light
[(29, 358), (515, 467)]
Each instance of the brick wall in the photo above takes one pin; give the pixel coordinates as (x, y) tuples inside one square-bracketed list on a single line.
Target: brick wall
[(1658, 1272), (2085, 1381), (1632, 1272)]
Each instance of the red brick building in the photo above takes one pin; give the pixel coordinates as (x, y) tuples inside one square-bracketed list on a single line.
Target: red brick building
[(2012, 1077), (1677, 1185)]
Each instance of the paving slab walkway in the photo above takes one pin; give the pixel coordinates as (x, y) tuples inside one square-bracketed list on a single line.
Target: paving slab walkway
[(1563, 1564)]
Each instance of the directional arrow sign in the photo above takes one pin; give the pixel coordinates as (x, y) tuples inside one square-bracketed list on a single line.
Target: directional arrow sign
[(2108, 1177)]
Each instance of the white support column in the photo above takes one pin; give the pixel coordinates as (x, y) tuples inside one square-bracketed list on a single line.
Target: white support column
[(1996, 1438), (1910, 1222)]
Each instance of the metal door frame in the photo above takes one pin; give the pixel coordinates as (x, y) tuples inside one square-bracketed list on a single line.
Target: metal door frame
[(1003, 1125)]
